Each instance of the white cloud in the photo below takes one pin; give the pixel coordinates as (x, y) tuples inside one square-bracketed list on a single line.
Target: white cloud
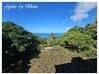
[(81, 10), (67, 29)]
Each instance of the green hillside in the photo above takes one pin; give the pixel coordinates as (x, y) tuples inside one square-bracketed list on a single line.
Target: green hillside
[(23, 51)]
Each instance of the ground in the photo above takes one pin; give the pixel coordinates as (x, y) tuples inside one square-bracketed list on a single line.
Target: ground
[(51, 56)]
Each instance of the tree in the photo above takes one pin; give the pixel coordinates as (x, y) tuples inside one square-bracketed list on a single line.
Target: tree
[(52, 40), (18, 44), (80, 39)]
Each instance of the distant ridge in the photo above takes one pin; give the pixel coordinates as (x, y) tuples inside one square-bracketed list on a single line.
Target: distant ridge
[(46, 35)]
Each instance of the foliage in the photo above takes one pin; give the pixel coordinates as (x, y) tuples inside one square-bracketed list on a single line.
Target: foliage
[(43, 44), (91, 30), (17, 43), (52, 40), (91, 53), (80, 39), (20, 45)]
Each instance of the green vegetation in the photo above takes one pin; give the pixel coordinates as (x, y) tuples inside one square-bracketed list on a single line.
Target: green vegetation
[(80, 39), (20, 46), (52, 41), (77, 38)]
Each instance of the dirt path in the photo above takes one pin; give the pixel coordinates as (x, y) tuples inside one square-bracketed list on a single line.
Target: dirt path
[(49, 58)]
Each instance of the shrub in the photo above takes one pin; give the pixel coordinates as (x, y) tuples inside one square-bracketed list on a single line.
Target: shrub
[(52, 40), (18, 44), (77, 39)]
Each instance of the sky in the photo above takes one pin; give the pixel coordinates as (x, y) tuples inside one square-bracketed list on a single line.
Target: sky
[(40, 17)]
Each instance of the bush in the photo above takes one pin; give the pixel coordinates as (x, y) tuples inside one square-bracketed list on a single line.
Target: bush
[(79, 39), (18, 44), (52, 40)]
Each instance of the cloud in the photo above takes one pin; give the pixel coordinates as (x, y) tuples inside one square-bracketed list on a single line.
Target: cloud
[(67, 29), (81, 11)]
